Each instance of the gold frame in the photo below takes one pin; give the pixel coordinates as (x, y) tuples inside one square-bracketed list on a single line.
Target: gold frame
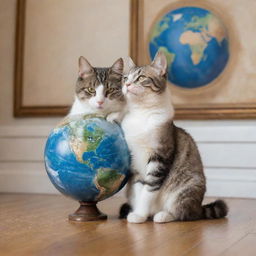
[(222, 111), (19, 109)]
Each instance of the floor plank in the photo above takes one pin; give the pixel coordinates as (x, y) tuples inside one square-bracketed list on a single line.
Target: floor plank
[(245, 245), (38, 225)]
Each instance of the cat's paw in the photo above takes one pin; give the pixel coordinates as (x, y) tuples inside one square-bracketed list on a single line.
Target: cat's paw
[(163, 217), (113, 117), (135, 218)]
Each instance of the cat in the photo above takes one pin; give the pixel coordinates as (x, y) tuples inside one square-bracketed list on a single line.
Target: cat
[(99, 90), (168, 181)]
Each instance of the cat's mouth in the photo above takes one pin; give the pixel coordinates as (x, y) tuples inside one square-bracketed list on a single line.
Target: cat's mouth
[(135, 90), (129, 90)]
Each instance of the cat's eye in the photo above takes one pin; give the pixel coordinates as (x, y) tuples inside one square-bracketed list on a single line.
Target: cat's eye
[(125, 78), (91, 90), (141, 78)]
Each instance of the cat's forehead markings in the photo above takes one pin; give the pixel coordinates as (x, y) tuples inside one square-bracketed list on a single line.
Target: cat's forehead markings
[(134, 74), (138, 72), (101, 74)]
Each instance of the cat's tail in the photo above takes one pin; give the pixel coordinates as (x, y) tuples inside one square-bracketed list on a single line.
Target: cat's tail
[(215, 210)]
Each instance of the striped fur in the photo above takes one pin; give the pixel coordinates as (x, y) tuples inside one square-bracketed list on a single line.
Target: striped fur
[(108, 77), (168, 181), (151, 81), (215, 210), (99, 90)]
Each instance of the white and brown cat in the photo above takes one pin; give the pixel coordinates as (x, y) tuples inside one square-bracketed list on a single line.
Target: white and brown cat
[(99, 90), (168, 181)]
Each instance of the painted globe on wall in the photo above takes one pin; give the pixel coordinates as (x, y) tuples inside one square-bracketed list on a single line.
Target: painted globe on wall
[(87, 158), (195, 42)]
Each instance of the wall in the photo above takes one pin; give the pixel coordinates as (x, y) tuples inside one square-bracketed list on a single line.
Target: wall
[(228, 147)]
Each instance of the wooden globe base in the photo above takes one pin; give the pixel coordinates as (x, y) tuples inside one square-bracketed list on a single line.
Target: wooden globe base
[(87, 211)]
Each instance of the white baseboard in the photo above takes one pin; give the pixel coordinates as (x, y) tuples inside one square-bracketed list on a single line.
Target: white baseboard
[(224, 182), (25, 181)]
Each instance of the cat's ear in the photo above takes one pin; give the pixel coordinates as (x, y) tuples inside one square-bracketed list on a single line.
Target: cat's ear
[(118, 66), (160, 63), (85, 68), (130, 63)]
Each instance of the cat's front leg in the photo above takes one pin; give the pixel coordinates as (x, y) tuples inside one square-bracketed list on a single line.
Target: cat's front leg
[(142, 205), (114, 117), (146, 196)]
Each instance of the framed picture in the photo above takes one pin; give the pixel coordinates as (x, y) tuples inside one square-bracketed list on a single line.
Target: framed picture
[(50, 37), (209, 45)]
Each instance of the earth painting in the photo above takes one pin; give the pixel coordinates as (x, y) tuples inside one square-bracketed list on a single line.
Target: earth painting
[(195, 42)]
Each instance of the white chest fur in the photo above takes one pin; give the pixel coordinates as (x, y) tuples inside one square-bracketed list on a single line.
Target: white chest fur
[(141, 128)]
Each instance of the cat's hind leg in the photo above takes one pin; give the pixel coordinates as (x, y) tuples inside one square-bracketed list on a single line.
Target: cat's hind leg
[(186, 204), (163, 217)]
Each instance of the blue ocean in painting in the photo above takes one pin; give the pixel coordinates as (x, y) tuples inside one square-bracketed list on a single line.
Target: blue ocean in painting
[(195, 42)]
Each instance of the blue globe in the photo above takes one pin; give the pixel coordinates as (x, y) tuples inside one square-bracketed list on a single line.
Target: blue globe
[(195, 42), (87, 158)]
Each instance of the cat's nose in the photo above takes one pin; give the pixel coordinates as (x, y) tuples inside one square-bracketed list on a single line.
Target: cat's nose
[(100, 102)]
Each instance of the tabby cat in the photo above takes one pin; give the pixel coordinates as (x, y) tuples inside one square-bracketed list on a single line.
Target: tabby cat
[(168, 181), (99, 90)]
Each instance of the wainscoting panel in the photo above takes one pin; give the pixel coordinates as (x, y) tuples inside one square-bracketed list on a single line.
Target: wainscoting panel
[(228, 154)]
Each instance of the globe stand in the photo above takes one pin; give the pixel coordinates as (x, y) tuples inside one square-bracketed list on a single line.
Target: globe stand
[(87, 211)]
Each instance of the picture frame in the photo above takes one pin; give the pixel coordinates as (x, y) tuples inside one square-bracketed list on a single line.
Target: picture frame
[(50, 37), (19, 110), (230, 108)]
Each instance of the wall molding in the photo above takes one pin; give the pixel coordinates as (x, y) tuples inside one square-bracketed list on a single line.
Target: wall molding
[(206, 133), (21, 131), (227, 152)]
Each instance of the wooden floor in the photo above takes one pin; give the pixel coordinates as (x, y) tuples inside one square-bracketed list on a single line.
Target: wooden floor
[(38, 225)]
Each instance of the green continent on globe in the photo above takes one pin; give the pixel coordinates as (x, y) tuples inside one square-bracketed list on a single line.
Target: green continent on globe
[(83, 136), (107, 181), (78, 147), (87, 158), (88, 141), (93, 138)]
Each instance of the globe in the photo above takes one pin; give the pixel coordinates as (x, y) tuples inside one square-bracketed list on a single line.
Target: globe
[(195, 42), (87, 158)]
